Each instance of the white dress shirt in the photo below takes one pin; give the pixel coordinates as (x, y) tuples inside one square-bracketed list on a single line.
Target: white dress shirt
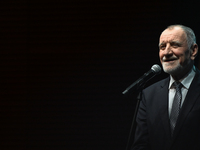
[(186, 84)]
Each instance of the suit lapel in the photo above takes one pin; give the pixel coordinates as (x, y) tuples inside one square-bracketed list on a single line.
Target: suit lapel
[(163, 99), (189, 102)]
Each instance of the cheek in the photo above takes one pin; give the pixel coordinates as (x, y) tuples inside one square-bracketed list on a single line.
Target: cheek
[(181, 52), (183, 57), (160, 55)]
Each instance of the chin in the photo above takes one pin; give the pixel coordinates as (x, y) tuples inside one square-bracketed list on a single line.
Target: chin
[(172, 70)]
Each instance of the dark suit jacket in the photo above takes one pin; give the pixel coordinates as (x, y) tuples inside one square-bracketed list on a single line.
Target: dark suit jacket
[(153, 129)]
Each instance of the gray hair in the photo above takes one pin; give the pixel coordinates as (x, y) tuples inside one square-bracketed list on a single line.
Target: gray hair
[(191, 38)]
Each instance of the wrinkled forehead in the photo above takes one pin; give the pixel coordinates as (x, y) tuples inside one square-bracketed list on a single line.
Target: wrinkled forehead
[(175, 34)]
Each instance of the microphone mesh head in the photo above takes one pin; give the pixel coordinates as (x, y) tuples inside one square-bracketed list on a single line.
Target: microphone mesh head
[(156, 68)]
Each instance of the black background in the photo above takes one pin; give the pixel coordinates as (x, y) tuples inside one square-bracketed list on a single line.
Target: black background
[(64, 65)]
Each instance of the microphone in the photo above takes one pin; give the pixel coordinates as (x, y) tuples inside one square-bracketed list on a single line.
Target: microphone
[(155, 70)]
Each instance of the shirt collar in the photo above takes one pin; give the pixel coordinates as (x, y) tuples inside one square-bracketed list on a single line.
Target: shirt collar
[(185, 81)]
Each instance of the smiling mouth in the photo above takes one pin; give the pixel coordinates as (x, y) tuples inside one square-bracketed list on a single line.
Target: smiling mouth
[(170, 60)]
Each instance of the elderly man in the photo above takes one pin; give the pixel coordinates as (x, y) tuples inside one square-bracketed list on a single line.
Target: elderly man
[(169, 114)]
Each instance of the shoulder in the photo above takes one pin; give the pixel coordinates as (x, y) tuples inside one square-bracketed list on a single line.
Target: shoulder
[(158, 85)]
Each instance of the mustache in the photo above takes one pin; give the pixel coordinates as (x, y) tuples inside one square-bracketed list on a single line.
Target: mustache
[(165, 59)]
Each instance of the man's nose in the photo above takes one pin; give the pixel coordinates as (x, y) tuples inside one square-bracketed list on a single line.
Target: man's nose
[(168, 50)]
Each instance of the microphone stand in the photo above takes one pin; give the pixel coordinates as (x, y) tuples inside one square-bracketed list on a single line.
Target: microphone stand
[(133, 124)]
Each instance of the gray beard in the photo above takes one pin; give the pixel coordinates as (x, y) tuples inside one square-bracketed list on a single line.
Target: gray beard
[(173, 71)]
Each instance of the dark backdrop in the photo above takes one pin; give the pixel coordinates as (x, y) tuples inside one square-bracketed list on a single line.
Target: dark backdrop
[(64, 65)]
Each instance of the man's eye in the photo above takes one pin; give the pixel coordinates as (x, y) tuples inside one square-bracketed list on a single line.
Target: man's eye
[(162, 47), (175, 45)]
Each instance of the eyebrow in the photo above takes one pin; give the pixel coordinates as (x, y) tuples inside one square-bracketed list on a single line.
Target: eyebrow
[(161, 44)]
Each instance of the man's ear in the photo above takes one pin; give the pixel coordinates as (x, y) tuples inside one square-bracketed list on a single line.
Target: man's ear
[(194, 51)]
